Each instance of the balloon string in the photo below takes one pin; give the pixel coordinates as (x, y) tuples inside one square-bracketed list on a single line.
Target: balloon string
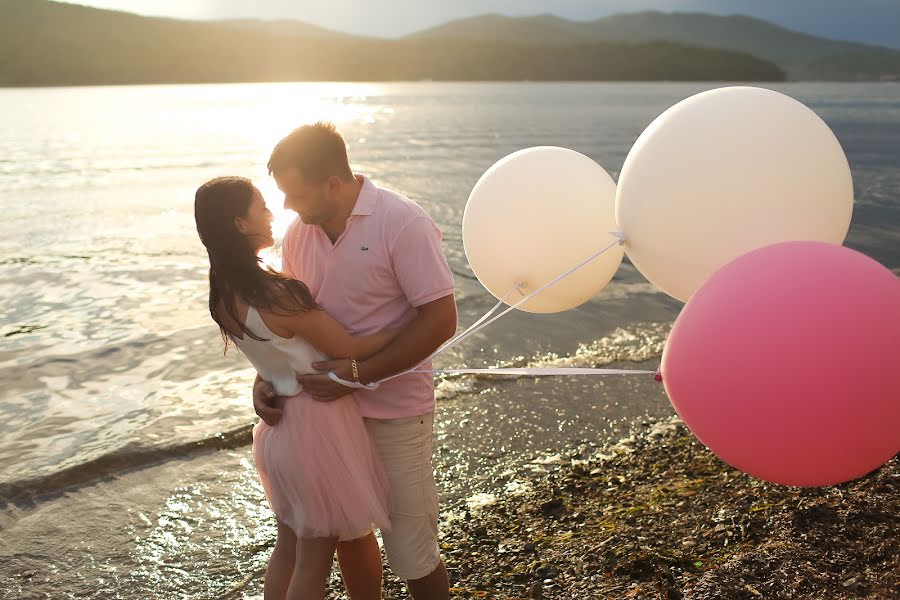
[(540, 371), (452, 342), (482, 322), (528, 371), (529, 296)]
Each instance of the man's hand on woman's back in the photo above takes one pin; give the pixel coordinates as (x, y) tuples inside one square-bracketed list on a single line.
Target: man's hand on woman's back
[(264, 402)]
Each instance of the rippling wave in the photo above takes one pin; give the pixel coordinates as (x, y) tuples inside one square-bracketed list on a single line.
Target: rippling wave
[(125, 459)]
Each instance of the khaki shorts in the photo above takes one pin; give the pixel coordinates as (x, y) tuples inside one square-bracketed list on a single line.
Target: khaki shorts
[(405, 449)]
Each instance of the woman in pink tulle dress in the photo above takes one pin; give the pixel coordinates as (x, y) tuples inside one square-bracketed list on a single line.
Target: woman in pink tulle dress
[(320, 472)]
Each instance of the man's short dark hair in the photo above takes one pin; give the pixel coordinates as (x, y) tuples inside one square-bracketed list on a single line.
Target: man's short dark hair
[(318, 151)]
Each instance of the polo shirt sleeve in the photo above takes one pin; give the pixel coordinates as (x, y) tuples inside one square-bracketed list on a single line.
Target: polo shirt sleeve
[(419, 263)]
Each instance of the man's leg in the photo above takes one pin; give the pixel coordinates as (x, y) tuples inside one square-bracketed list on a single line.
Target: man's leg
[(404, 446), (434, 586)]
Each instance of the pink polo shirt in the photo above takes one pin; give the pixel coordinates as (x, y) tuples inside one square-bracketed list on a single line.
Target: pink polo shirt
[(388, 261)]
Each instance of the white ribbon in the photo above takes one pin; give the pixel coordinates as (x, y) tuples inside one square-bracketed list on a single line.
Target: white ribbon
[(352, 384), (484, 324), (542, 371), (524, 371)]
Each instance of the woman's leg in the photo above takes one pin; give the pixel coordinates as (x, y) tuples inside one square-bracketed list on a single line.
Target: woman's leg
[(311, 568), (360, 561), (281, 564)]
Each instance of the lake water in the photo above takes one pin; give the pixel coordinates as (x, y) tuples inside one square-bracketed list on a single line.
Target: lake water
[(107, 353)]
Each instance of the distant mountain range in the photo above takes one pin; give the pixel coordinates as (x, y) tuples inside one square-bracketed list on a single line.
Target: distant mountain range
[(801, 56), (874, 22), (49, 43)]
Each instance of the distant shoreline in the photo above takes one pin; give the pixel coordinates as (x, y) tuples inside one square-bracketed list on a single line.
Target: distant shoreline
[(453, 81)]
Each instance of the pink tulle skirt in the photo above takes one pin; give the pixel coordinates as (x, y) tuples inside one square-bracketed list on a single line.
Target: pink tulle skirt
[(320, 471)]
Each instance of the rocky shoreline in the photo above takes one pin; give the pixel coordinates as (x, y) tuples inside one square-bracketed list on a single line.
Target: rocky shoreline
[(659, 516)]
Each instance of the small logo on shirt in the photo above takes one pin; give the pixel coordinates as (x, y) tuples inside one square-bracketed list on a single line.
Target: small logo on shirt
[(364, 248)]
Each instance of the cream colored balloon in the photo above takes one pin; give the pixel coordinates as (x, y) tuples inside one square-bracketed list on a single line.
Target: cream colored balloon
[(534, 215), (725, 172)]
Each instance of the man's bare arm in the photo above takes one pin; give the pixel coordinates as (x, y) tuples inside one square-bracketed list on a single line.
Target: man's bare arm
[(434, 324), (263, 401)]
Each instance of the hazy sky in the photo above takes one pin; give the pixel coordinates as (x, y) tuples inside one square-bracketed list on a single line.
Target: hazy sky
[(862, 20)]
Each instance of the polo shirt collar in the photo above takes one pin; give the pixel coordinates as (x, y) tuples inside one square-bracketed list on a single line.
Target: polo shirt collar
[(368, 196)]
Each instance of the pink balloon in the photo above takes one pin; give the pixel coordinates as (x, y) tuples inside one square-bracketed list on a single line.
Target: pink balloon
[(786, 364)]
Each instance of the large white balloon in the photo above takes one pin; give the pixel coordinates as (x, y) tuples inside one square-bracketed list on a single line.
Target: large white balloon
[(535, 214), (725, 172)]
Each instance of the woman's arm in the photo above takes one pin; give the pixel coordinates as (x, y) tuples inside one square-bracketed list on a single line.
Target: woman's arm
[(326, 334)]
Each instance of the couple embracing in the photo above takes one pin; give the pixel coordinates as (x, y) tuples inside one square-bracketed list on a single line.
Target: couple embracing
[(365, 292)]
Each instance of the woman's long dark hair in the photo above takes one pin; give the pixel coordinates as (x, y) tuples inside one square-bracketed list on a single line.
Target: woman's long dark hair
[(235, 271)]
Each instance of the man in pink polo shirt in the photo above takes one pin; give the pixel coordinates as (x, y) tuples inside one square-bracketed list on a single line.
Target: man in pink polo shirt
[(373, 259)]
